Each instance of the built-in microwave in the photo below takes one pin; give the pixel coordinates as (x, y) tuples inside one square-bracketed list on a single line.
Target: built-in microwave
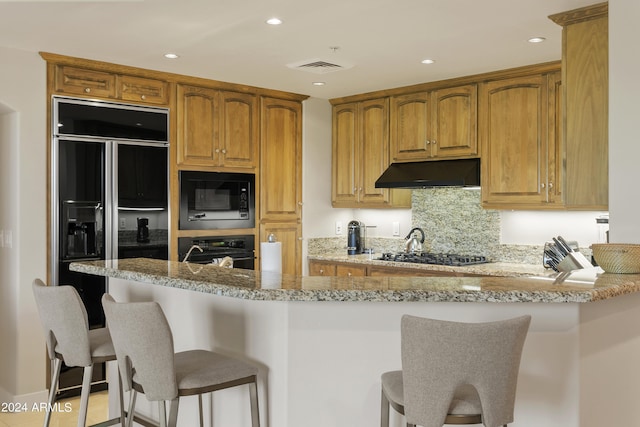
[(216, 200)]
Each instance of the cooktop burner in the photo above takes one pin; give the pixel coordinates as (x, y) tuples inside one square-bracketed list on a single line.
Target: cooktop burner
[(430, 258)]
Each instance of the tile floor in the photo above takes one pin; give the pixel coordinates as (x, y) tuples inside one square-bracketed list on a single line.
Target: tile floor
[(65, 417)]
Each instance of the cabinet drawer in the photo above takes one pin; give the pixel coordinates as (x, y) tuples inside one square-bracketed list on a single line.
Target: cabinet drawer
[(79, 81), (140, 89)]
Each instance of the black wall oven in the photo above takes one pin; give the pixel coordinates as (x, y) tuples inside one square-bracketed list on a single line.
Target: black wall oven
[(211, 250), (216, 200)]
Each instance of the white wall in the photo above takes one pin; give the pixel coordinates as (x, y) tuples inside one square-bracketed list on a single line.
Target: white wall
[(22, 214)]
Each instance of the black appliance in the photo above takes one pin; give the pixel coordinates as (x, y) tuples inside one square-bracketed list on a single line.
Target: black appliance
[(216, 200), (355, 231), (434, 173), (208, 250), (109, 164), (142, 236), (434, 258)]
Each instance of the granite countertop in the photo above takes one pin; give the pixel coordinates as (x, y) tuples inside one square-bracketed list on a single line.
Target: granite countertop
[(578, 287), (488, 269)]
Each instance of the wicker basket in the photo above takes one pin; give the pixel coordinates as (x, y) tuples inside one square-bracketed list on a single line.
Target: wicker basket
[(617, 257)]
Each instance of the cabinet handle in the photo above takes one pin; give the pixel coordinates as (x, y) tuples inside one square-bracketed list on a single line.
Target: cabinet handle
[(428, 142), (542, 185), (224, 151), (550, 185), (349, 274), (143, 97), (321, 272), (217, 150), (434, 142), (299, 203), (87, 89)]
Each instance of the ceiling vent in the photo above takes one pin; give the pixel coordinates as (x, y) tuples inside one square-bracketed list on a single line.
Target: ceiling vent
[(320, 66)]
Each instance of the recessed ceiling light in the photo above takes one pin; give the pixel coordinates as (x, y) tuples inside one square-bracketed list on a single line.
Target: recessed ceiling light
[(536, 40), (318, 83), (274, 21), (170, 56), (428, 61)]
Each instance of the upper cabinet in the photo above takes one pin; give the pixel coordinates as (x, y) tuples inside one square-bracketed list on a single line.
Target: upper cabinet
[(216, 128), (434, 124), (585, 76), (77, 81), (280, 160), (518, 134), (361, 154)]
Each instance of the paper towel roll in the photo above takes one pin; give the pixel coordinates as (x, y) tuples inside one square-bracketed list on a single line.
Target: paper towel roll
[(271, 257)]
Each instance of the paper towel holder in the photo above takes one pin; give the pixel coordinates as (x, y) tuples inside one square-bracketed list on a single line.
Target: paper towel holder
[(271, 238)]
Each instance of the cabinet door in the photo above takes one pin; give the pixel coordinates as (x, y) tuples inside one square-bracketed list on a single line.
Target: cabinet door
[(290, 234), (197, 126), (373, 150), (318, 268), (238, 130), (343, 163), (281, 160), (513, 139), (587, 114), (79, 81), (455, 122), (409, 121), (140, 89)]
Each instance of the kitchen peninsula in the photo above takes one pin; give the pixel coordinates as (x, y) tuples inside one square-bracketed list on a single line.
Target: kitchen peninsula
[(321, 343)]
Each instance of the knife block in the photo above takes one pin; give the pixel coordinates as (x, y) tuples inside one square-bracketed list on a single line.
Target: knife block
[(574, 261)]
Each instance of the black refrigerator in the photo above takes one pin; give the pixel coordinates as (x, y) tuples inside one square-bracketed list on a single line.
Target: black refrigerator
[(109, 187)]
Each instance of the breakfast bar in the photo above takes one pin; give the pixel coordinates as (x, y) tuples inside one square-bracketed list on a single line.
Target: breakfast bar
[(321, 343)]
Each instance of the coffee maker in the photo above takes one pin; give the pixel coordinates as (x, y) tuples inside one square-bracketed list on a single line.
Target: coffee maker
[(355, 230), (143, 230)]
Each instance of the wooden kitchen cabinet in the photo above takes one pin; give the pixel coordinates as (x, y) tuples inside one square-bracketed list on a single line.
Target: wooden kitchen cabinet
[(435, 124), (280, 178), (344, 269), (319, 268), (360, 154), (102, 84), (290, 235), (80, 81), (216, 128), (585, 75), (281, 160), (519, 125), (142, 89)]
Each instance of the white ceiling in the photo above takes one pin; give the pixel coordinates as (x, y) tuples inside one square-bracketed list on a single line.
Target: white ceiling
[(228, 40)]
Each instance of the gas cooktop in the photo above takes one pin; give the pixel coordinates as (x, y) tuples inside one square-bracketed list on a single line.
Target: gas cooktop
[(431, 258)]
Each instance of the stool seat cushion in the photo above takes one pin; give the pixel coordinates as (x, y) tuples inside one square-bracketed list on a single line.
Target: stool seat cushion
[(198, 370), (465, 400)]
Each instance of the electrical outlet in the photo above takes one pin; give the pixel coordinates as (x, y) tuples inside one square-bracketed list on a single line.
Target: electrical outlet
[(396, 228), (338, 227), (123, 223)]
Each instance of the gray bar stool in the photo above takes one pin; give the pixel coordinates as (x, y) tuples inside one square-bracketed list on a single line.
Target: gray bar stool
[(69, 340), (144, 347), (455, 373)]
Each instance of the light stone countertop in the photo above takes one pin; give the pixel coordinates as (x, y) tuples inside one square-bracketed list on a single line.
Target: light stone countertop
[(578, 287), (488, 269)]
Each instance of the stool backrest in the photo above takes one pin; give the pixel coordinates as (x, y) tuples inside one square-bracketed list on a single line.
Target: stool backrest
[(64, 321), (440, 356), (144, 346)]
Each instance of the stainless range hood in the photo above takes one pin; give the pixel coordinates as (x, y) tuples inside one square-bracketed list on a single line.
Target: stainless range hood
[(436, 173)]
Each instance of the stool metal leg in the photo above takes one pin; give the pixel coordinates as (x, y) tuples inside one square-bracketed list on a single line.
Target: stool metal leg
[(53, 388), (255, 413), (384, 410), (84, 395)]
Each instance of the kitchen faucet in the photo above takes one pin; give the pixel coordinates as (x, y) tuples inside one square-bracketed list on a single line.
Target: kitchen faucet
[(191, 250)]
